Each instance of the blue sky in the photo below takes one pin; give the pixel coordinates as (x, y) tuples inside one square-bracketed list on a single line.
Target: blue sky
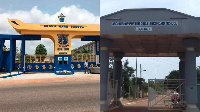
[(155, 67), (50, 6), (47, 11)]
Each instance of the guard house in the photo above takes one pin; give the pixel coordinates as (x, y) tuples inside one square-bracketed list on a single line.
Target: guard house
[(151, 32), (61, 34)]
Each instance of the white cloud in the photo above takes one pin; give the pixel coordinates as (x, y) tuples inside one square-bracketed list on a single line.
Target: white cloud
[(74, 15)]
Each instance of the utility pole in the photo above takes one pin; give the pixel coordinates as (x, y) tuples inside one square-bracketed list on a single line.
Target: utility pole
[(140, 79), (136, 94), (140, 76)]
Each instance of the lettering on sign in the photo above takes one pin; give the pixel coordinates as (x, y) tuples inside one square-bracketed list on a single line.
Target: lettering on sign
[(64, 26), (143, 29), (146, 23)]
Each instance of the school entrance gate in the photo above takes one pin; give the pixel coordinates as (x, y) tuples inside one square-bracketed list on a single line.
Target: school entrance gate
[(61, 34), (153, 32)]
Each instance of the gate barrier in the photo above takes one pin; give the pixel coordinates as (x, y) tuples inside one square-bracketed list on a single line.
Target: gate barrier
[(166, 94)]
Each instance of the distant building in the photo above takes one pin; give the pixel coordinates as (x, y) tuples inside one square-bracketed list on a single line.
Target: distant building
[(89, 46)]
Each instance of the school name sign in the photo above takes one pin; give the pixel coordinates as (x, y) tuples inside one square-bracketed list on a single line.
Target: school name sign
[(146, 23)]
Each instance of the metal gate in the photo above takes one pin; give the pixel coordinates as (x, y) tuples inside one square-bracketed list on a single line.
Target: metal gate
[(166, 94)]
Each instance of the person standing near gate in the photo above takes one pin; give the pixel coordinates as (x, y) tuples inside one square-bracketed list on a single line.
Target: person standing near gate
[(86, 66)]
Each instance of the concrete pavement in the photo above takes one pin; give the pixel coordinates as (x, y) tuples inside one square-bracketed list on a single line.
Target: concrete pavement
[(137, 106), (51, 95)]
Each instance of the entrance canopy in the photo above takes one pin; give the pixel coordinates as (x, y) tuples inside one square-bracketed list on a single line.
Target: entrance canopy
[(152, 32)]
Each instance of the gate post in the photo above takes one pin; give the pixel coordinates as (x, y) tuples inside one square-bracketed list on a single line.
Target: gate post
[(12, 54), (181, 56), (105, 43), (190, 74), (117, 74), (22, 56)]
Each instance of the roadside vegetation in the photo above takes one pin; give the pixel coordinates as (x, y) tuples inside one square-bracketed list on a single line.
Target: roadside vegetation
[(128, 78)]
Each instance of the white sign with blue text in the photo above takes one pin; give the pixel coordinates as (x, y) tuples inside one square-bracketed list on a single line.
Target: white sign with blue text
[(143, 29), (146, 23)]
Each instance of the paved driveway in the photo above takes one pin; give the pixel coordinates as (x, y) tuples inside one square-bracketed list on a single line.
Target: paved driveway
[(137, 106)]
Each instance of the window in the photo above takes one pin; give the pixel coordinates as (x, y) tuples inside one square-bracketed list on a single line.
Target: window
[(65, 60), (59, 49), (66, 49), (59, 60), (62, 20)]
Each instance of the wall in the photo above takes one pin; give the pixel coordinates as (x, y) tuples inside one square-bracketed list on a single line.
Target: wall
[(37, 67), (80, 65)]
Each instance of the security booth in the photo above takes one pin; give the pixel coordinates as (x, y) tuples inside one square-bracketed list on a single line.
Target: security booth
[(63, 65), (151, 32)]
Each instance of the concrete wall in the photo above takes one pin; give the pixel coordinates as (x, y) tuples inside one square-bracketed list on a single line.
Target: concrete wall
[(198, 93)]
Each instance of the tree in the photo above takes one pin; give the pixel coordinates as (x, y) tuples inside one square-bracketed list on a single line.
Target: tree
[(85, 51), (173, 75), (77, 52), (127, 72), (40, 49), (198, 74), (4, 48)]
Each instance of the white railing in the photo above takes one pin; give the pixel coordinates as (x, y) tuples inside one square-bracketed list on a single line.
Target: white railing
[(31, 58)]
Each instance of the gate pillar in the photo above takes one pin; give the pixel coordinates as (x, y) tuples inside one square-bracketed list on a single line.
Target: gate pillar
[(190, 74), (22, 56), (12, 54), (118, 73), (181, 56), (104, 55)]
